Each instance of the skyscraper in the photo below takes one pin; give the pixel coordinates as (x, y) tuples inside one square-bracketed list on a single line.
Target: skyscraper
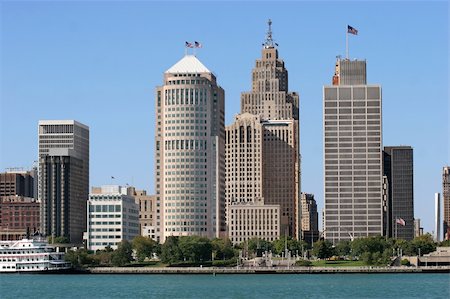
[(190, 168), (63, 185), (352, 154), (262, 145), (446, 199), (398, 168)]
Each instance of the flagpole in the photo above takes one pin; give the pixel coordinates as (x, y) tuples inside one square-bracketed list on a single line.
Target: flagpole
[(346, 44)]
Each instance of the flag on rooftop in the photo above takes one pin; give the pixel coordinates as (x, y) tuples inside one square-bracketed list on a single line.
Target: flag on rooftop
[(352, 30), (198, 45), (189, 45), (400, 221)]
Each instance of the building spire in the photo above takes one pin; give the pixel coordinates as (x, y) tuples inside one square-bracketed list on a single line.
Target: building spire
[(269, 42)]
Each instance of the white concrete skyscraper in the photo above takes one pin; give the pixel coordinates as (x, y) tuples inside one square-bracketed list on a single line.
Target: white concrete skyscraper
[(352, 154), (190, 170)]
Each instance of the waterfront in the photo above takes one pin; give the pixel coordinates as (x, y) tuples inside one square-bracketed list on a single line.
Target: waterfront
[(226, 286)]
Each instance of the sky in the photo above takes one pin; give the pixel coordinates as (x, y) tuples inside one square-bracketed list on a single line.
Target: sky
[(99, 63)]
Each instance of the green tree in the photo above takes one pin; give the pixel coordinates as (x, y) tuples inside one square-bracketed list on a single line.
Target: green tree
[(58, 240), (222, 248), (195, 248), (369, 244), (323, 249), (170, 252), (123, 254), (79, 258), (445, 243), (425, 243), (144, 247), (343, 248), (256, 244)]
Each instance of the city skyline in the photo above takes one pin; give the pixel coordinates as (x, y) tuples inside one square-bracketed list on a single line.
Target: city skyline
[(103, 73)]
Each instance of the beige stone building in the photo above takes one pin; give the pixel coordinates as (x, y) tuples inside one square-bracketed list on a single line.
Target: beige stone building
[(147, 214), (253, 219), (190, 149), (309, 218), (262, 145)]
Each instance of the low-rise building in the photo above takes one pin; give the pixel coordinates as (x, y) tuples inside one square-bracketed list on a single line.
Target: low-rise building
[(112, 218), (19, 216), (253, 219)]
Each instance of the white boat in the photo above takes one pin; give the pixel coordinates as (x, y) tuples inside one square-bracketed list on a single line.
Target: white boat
[(30, 255)]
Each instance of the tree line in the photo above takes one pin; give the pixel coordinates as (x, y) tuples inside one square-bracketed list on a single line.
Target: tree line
[(196, 250)]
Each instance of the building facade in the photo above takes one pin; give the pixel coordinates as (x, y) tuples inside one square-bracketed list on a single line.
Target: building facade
[(147, 214), (63, 185), (446, 200), (112, 217), (310, 218), (262, 145), (398, 168), (19, 217), (190, 149), (352, 154), (17, 182), (253, 219)]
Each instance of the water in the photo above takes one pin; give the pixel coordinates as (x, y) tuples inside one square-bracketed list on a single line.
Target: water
[(226, 286)]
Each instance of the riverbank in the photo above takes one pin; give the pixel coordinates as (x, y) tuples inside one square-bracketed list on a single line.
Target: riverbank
[(264, 270)]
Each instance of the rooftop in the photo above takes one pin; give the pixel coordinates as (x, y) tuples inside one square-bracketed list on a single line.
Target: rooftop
[(188, 64)]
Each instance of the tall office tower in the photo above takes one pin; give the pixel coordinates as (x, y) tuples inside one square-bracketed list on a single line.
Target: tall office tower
[(418, 230), (446, 199), (63, 185), (16, 181), (310, 218), (437, 217), (190, 148), (398, 168), (352, 154), (147, 214), (263, 143)]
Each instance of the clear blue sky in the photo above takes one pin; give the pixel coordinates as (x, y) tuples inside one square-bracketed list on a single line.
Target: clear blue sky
[(99, 63)]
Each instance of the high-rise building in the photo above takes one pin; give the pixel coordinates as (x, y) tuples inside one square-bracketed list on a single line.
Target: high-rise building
[(446, 200), (112, 216), (17, 182), (352, 154), (63, 185), (398, 168), (262, 145), (190, 169), (437, 217), (310, 218)]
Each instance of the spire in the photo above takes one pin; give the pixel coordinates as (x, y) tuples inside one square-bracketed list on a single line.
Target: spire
[(269, 42)]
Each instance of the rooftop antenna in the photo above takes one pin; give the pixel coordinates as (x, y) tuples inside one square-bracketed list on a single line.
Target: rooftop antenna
[(269, 42)]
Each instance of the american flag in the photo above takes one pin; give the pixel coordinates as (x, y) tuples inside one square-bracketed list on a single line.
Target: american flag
[(400, 221), (352, 30), (198, 45), (189, 45)]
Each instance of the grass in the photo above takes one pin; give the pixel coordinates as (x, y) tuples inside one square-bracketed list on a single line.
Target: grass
[(324, 263)]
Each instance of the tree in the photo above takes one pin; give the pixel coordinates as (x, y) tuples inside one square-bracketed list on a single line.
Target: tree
[(222, 249), (144, 247), (323, 249), (425, 243), (58, 240), (445, 243), (343, 248), (123, 254), (256, 244), (170, 253), (369, 244), (195, 248)]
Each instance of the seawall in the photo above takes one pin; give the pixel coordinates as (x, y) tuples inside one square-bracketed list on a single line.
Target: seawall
[(265, 270)]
